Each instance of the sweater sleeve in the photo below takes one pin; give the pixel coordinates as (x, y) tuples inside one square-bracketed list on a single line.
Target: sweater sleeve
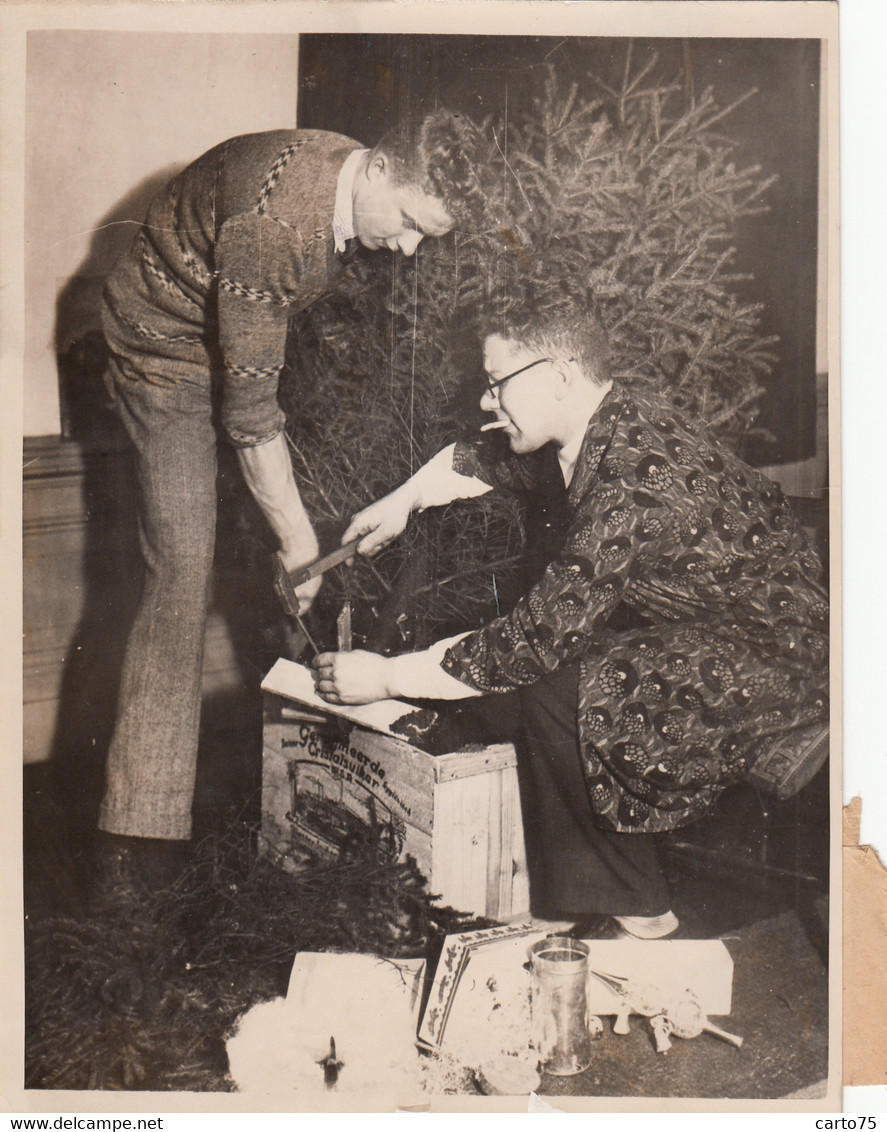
[(264, 272)]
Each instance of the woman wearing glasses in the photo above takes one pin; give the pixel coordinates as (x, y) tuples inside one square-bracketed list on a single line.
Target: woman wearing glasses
[(625, 731)]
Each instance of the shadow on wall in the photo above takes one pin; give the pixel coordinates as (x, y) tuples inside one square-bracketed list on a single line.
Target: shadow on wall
[(77, 335), (100, 571)]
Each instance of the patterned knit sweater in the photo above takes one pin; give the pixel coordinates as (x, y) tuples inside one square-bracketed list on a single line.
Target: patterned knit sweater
[(237, 242)]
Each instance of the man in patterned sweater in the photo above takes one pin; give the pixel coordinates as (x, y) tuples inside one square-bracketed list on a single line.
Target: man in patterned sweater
[(626, 731), (195, 315)]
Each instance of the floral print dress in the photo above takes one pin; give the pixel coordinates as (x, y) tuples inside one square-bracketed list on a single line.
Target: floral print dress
[(707, 550)]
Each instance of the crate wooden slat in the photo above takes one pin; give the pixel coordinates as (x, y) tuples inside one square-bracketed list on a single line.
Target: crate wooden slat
[(325, 787)]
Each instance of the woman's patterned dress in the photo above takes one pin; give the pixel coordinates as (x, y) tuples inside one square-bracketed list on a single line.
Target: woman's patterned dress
[(707, 550)]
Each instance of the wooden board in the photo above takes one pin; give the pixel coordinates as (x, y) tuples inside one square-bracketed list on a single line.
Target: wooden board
[(296, 682)]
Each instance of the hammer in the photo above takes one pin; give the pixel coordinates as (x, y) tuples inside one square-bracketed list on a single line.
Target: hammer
[(321, 565), (285, 584)]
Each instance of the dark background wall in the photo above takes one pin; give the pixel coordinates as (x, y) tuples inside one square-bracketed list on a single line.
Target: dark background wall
[(359, 85)]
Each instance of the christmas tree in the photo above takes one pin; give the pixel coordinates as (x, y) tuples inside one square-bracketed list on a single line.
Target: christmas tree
[(626, 192)]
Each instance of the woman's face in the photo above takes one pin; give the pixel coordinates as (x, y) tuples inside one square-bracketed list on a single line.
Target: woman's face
[(525, 402)]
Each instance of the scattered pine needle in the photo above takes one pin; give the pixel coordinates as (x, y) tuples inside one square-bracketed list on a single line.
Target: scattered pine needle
[(145, 996)]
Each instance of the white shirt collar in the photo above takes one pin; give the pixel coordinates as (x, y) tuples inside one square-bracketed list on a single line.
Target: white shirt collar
[(567, 457), (569, 454), (343, 212)]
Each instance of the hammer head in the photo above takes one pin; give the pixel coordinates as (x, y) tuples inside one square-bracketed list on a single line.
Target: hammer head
[(283, 585)]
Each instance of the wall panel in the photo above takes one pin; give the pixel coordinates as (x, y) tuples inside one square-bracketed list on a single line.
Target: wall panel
[(82, 577)]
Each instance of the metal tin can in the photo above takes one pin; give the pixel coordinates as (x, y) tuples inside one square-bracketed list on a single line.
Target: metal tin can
[(560, 1035)]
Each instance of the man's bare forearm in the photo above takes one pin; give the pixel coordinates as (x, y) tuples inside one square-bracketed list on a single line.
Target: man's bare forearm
[(268, 473)]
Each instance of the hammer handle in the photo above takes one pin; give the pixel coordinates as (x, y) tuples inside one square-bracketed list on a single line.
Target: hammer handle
[(286, 591), (321, 565)]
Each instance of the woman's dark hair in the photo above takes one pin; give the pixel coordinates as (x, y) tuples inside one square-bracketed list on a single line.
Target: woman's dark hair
[(440, 153), (550, 311)]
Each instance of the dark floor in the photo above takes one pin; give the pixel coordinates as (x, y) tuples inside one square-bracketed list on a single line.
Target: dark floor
[(753, 873), (61, 801), (780, 1010)]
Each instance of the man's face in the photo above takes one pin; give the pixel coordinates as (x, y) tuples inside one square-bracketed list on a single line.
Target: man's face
[(392, 216), (527, 402)]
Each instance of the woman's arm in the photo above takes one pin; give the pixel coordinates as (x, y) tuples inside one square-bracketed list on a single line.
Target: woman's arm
[(360, 677)]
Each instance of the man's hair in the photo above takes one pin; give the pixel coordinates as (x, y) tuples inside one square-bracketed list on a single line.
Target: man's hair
[(441, 154), (550, 312)]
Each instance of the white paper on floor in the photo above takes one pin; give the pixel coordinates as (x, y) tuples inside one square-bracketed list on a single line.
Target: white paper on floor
[(368, 1005), (702, 967), (479, 1005)]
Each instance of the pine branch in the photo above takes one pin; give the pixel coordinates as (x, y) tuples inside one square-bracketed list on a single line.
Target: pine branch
[(627, 191)]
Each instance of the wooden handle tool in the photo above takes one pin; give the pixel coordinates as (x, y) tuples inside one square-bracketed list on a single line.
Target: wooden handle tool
[(286, 591), (327, 562)]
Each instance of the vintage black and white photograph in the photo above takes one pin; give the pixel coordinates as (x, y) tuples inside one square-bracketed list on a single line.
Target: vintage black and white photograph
[(426, 561)]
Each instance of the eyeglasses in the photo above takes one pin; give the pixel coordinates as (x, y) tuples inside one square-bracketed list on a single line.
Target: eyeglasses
[(495, 386)]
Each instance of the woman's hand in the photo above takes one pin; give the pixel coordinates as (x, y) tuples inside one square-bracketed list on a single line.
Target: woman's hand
[(357, 677), (381, 522)]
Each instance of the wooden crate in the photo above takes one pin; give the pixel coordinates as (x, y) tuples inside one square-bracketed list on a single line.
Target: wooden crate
[(328, 789)]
